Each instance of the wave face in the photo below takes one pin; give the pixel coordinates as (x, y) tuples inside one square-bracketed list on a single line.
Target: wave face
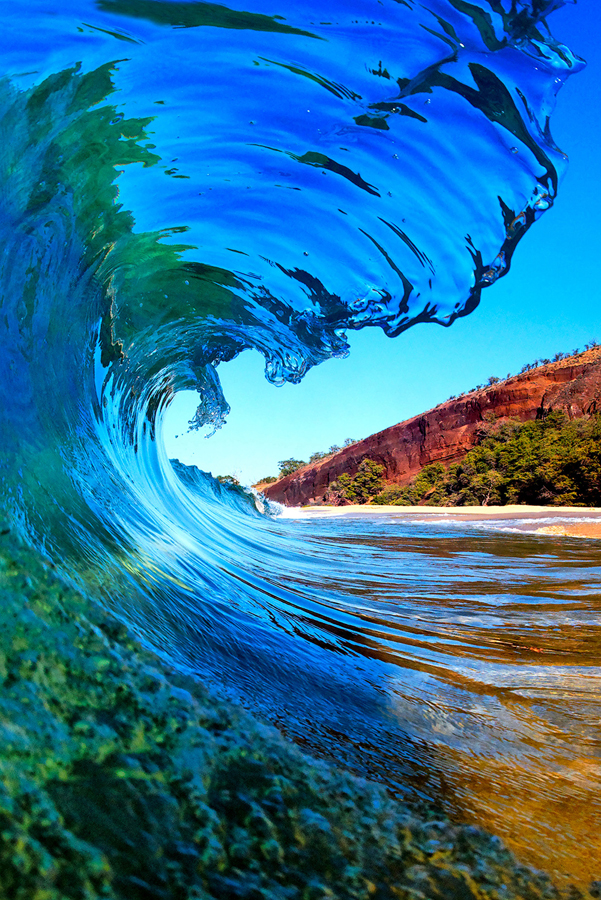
[(182, 181)]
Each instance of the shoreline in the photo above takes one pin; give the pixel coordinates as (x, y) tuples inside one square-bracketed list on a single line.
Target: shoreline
[(590, 529)]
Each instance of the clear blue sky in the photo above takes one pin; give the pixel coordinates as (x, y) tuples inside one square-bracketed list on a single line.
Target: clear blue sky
[(550, 301)]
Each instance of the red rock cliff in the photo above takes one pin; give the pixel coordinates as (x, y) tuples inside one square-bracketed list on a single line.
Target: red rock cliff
[(446, 433)]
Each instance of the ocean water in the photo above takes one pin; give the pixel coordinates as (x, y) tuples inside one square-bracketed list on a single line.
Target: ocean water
[(181, 181)]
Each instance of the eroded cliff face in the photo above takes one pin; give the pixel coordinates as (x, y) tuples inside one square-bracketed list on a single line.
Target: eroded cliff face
[(447, 432)]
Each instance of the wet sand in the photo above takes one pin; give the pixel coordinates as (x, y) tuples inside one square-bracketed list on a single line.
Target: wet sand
[(569, 519)]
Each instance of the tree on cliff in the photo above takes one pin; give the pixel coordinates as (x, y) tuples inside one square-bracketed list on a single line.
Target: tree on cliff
[(288, 466), (365, 485), (227, 479)]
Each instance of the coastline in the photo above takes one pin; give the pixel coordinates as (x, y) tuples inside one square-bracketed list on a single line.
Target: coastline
[(570, 518)]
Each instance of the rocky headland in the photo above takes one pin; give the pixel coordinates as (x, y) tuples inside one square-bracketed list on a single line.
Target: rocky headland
[(448, 432)]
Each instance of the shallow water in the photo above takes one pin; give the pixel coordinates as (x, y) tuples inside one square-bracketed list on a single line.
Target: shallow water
[(483, 647), (182, 181)]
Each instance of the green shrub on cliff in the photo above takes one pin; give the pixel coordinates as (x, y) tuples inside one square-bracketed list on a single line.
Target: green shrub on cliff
[(428, 487), (365, 485), (288, 466)]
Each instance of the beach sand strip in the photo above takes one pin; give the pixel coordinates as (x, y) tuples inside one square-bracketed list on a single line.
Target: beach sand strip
[(564, 526)]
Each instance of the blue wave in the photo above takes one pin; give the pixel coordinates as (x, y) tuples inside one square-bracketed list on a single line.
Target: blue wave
[(182, 181)]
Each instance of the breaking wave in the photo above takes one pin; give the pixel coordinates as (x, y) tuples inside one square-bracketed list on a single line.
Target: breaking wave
[(182, 181)]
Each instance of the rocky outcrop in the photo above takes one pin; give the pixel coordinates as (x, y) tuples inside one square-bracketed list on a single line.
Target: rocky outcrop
[(447, 432)]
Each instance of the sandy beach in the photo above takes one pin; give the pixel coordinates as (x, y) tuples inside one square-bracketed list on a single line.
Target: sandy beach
[(570, 521)]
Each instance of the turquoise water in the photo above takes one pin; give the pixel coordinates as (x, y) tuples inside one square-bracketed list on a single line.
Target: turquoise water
[(184, 181)]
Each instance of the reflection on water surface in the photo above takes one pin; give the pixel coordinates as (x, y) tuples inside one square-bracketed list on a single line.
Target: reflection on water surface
[(486, 647)]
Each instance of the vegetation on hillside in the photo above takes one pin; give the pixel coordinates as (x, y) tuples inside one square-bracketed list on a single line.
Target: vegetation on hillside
[(323, 454), (227, 479), (552, 461), (366, 484), (528, 367), (288, 466), (268, 479)]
